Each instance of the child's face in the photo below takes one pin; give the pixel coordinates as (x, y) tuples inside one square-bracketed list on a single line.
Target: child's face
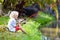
[(15, 16)]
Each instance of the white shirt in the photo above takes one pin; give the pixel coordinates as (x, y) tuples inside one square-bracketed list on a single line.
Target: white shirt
[(12, 24)]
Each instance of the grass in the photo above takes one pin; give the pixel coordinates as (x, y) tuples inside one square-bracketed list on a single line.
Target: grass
[(44, 18), (4, 20), (30, 28)]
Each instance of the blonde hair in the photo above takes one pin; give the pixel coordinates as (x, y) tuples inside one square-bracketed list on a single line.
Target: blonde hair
[(13, 13)]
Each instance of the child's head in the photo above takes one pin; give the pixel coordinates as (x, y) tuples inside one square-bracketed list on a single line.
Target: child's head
[(14, 14)]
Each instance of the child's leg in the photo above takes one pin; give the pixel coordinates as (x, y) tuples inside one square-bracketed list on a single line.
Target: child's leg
[(23, 31), (18, 28)]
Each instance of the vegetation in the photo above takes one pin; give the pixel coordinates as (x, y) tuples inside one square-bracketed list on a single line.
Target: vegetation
[(41, 18), (12, 3), (3, 20), (30, 28), (44, 18)]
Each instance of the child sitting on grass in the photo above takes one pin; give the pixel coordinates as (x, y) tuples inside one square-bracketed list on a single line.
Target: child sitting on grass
[(12, 26)]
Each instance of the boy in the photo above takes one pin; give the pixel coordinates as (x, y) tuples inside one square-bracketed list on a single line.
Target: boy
[(12, 22)]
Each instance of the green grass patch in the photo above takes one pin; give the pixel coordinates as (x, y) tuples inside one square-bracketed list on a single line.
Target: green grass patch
[(4, 20), (44, 18)]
